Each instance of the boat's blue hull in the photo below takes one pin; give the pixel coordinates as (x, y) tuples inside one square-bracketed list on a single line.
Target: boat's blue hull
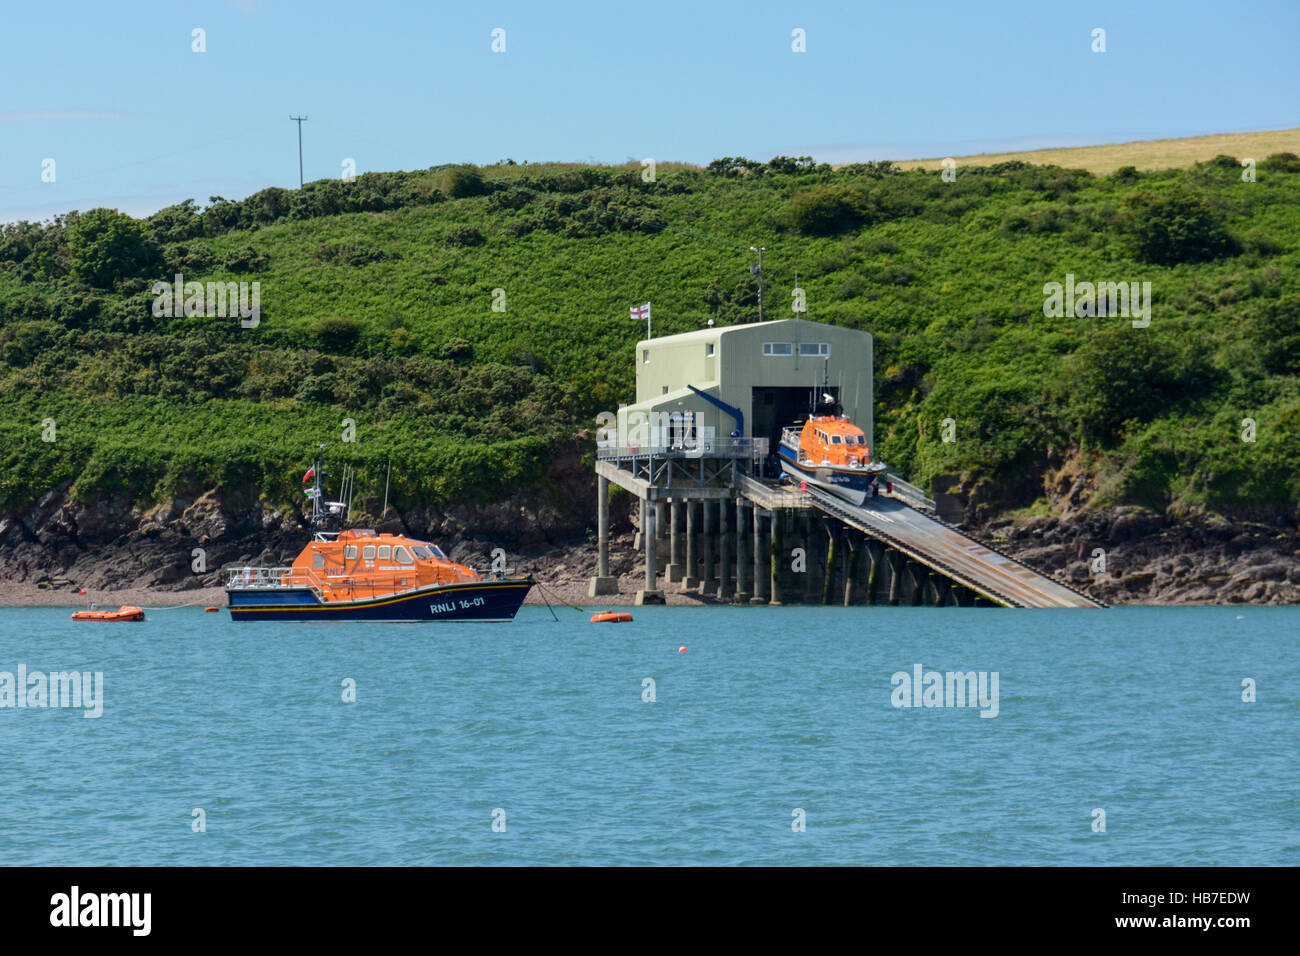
[(852, 485), (479, 601)]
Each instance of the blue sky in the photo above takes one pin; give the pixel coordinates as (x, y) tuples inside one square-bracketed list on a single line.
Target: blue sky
[(135, 120)]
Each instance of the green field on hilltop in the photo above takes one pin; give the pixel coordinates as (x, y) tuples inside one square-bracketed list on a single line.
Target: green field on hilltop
[(377, 303)]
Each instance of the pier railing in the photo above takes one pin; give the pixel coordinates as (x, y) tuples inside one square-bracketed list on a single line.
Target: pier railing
[(752, 449)]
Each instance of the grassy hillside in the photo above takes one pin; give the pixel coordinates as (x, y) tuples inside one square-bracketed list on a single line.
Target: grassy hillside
[(1146, 154), (377, 305)]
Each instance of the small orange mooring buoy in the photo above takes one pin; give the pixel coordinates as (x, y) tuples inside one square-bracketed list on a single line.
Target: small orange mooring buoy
[(682, 649), (211, 610), (611, 617)]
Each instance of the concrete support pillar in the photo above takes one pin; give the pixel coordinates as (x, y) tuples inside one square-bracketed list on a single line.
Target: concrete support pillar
[(810, 541), (726, 583), (875, 553), (776, 555), (942, 591), (852, 554), (708, 547), (675, 571), (661, 520), (691, 579), (761, 566), (917, 574), (638, 542), (743, 565), (828, 579), (650, 594), (895, 577), (602, 583)]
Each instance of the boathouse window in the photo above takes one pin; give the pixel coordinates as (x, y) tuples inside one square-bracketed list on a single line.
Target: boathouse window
[(368, 552), (349, 552), (819, 349), (318, 560), (645, 356), (665, 391), (385, 552), (402, 556), (708, 349), (778, 348)]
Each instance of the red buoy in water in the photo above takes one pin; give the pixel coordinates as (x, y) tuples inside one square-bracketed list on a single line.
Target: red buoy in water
[(682, 649)]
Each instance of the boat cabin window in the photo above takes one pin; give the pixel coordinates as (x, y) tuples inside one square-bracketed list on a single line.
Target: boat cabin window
[(349, 552), (318, 560), (402, 556), (368, 552), (385, 552), (835, 440)]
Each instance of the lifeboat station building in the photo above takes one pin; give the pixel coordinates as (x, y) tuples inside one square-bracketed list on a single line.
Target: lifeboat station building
[(695, 447), (745, 381)]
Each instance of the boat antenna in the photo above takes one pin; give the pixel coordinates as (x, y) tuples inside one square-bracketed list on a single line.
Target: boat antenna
[(386, 480)]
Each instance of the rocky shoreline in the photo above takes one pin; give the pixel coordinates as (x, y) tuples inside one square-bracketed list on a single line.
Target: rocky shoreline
[(172, 554)]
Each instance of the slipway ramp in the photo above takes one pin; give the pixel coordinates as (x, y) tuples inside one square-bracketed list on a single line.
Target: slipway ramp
[(940, 546)]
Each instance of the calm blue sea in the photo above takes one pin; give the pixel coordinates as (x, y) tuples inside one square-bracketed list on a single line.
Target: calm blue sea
[(543, 725)]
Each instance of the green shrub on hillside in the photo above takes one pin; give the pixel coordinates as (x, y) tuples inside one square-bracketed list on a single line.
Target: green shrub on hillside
[(1176, 226)]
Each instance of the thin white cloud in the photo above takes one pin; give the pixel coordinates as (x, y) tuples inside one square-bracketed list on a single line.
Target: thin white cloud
[(54, 116)]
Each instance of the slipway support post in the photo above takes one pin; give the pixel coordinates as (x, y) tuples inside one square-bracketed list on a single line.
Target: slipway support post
[(691, 579), (852, 552), (743, 568), (708, 583), (761, 561), (602, 583), (776, 556), (649, 594), (675, 571), (726, 585), (828, 581)]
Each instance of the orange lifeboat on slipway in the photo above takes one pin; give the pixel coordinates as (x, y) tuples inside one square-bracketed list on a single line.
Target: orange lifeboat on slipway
[(829, 451), (126, 613)]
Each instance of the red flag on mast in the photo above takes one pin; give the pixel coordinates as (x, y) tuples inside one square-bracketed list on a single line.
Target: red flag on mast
[(310, 471)]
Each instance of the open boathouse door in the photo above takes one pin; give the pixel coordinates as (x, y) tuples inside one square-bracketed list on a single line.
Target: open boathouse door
[(775, 408)]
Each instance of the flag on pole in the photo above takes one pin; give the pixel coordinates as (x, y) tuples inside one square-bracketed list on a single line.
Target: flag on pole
[(310, 471), (640, 312)]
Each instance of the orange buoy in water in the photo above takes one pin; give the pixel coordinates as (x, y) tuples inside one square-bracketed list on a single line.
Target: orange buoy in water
[(211, 610), (126, 613), (611, 617), (682, 649)]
